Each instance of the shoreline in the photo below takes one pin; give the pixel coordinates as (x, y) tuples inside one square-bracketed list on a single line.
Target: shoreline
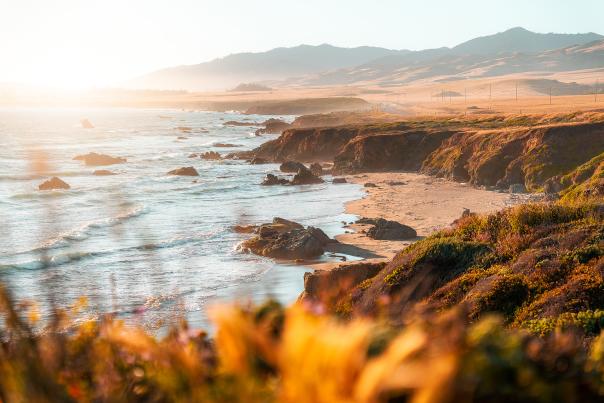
[(423, 202)]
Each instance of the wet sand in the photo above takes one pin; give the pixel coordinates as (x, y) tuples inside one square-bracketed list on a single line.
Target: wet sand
[(422, 202)]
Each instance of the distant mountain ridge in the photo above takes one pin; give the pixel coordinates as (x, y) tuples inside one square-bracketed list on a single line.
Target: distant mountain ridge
[(275, 64), (522, 40), (327, 64)]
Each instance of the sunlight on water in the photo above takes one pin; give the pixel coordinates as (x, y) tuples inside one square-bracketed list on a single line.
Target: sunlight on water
[(142, 243)]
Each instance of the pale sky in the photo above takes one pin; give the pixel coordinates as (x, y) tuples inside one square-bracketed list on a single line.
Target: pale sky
[(80, 43)]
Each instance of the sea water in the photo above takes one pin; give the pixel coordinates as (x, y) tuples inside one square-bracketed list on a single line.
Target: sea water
[(141, 244)]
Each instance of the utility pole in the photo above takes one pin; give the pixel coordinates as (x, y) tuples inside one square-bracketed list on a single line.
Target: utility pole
[(596, 91), (550, 95), (490, 94)]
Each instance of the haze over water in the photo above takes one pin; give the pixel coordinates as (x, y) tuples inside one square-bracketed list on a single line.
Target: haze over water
[(142, 243)]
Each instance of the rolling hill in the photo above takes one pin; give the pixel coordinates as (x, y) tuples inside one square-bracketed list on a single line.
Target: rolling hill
[(516, 50)]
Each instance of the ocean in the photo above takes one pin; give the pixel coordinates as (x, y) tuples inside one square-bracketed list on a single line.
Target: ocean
[(143, 245)]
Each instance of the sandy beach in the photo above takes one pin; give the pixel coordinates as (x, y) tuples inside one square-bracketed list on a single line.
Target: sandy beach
[(422, 202)]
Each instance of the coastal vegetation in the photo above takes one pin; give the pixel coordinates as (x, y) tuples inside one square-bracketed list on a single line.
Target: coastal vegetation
[(500, 307)]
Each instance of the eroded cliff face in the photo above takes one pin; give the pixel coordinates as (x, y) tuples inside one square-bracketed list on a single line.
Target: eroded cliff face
[(395, 150), (493, 158), (504, 157)]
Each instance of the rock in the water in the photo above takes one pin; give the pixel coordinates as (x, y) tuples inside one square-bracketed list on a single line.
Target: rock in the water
[(291, 166), (103, 172), (272, 180), (211, 155), (284, 239), (244, 124), (305, 177), (53, 183), (184, 129), (194, 155), (339, 180), (185, 171), (94, 159), (245, 229), (316, 169), (86, 124), (258, 161), (370, 185), (223, 145), (385, 230), (273, 126), (517, 188)]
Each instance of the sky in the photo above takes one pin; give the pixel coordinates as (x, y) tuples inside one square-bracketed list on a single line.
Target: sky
[(95, 43)]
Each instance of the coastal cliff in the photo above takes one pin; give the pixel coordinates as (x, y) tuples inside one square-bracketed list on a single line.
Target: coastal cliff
[(494, 152)]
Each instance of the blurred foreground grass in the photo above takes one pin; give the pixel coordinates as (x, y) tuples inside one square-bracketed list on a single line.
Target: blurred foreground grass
[(270, 353)]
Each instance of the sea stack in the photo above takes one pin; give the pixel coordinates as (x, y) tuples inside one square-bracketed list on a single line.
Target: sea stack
[(54, 183)]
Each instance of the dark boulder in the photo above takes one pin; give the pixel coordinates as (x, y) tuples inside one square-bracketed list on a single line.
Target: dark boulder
[(291, 166), (385, 230), (94, 159), (370, 185), (272, 180), (284, 239), (185, 171), (53, 183), (339, 180), (316, 169), (305, 177)]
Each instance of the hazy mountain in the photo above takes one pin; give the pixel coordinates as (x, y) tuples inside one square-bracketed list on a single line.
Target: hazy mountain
[(521, 40), (276, 64), (514, 50), (448, 65)]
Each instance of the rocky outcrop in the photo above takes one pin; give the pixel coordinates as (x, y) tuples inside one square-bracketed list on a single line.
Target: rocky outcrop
[(291, 166), (316, 169), (53, 183), (339, 180), (272, 180), (273, 126), (94, 159), (330, 286), (284, 239), (385, 230), (305, 177), (185, 171), (210, 155)]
